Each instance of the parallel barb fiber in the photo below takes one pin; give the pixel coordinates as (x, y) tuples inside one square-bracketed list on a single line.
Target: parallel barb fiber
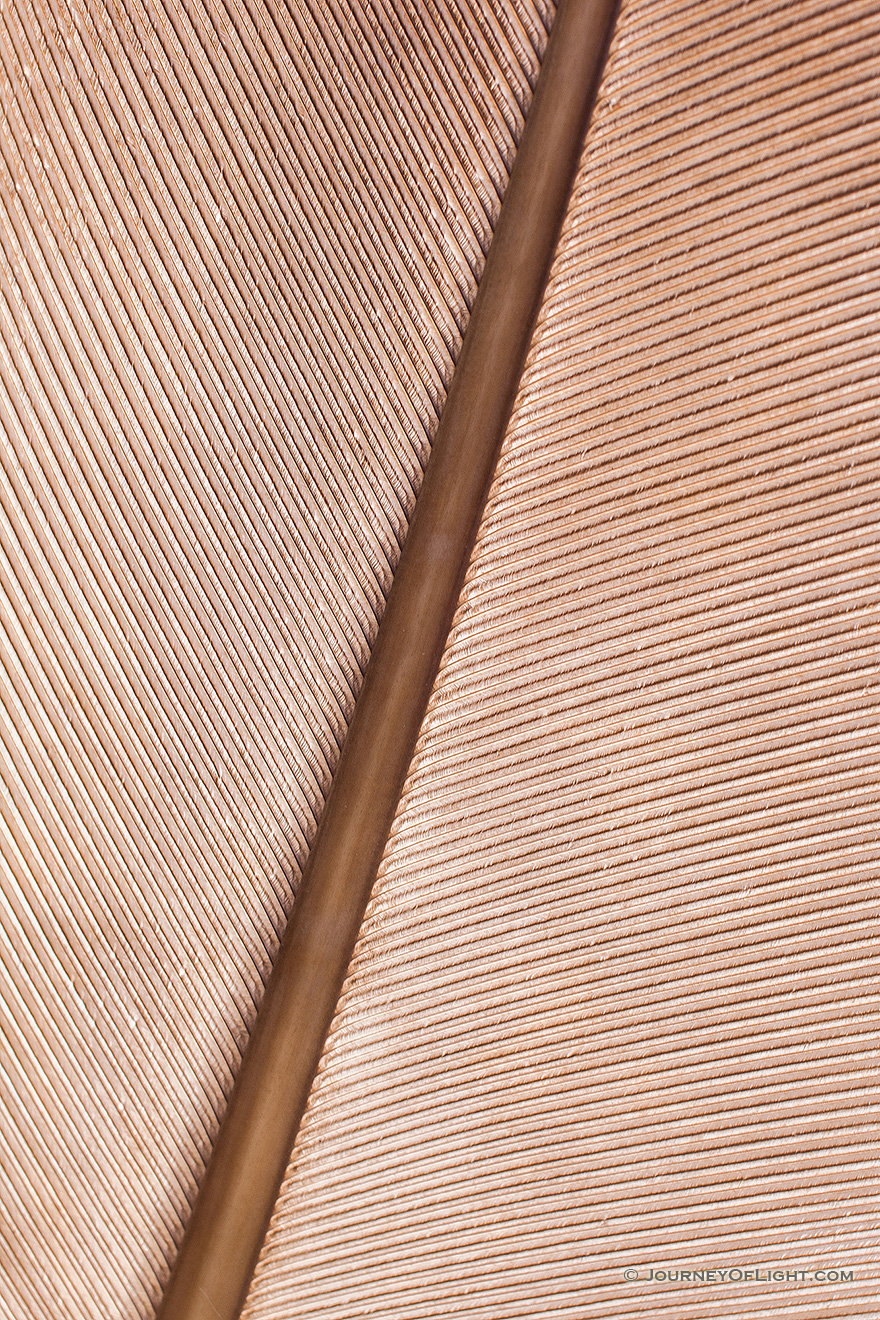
[(241, 1184), (614, 1004), (238, 245)]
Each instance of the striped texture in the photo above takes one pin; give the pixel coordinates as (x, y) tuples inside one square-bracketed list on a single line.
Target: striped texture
[(615, 1001), (238, 241)]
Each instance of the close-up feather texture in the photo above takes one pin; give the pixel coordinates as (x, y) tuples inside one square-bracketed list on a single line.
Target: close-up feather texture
[(614, 1002), (238, 244), (611, 1014)]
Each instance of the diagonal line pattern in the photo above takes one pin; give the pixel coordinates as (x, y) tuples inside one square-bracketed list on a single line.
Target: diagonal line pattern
[(238, 245), (614, 1000)]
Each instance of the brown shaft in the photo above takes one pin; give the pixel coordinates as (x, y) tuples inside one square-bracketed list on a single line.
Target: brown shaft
[(232, 1212)]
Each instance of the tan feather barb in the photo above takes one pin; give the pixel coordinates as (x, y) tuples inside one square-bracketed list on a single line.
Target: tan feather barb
[(614, 1002), (238, 242)]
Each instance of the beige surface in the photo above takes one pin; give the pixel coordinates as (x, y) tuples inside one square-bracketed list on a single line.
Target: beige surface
[(614, 1004), (237, 244)]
